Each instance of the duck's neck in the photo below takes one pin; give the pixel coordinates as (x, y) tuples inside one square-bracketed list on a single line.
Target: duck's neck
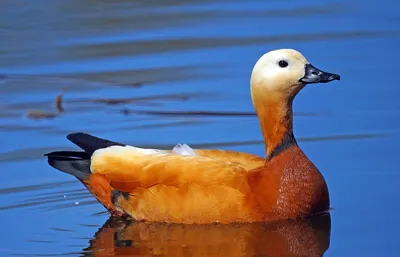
[(276, 120)]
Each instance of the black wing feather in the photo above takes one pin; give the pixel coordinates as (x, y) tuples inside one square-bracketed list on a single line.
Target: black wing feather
[(90, 143)]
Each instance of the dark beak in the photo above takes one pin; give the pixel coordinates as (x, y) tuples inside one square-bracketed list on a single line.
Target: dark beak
[(314, 75)]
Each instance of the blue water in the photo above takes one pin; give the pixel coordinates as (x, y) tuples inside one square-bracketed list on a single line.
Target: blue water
[(159, 59)]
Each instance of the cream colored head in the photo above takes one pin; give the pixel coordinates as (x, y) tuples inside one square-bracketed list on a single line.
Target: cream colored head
[(276, 79), (285, 71)]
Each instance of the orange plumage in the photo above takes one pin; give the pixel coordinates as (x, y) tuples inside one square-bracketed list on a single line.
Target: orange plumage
[(187, 185)]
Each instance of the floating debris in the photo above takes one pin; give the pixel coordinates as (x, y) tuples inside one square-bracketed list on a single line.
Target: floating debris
[(38, 115), (132, 84), (127, 111), (59, 103)]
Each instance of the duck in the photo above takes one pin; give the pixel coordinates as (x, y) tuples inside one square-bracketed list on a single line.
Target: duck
[(201, 186)]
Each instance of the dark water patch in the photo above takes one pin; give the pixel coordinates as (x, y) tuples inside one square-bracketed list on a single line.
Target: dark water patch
[(125, 101), (189, 113), (165, 125), (72, 202), (126, 125), (101, 213), (70, 196), (32, 106), (62, 229), (141, 47), (31, 188), (342, 137), (58, 207), (44, 234), (90, 225), (125, 15), (22, 127), (6, 115), (15, 83), (42, 241), (61, 192), (181, 97), (76, 245), (148, 19), (207, 113), (62, 83), (25, 154), (149, 76), (83, 238), (40, 115), (154, 101), (49, 254)]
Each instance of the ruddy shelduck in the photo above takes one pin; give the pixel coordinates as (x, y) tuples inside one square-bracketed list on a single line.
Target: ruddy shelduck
[(186, 185)]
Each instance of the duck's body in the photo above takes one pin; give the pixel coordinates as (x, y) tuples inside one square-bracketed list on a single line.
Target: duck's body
[(203, 186)]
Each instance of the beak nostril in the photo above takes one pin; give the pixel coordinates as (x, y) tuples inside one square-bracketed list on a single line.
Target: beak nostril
[(315, 75)]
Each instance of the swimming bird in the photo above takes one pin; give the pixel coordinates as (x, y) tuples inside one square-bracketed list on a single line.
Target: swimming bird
[(188, 186)]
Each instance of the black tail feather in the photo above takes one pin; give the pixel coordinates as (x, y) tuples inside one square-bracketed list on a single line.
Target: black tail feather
[(78, 163), (90, 143), (74, 163), (67, 155)]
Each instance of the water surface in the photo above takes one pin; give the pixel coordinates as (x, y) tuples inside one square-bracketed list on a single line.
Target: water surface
[(157, 73)]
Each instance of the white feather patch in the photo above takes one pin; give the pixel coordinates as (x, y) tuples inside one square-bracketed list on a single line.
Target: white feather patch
[(124, 150), (183, 150), (125, 153), (131, 151)]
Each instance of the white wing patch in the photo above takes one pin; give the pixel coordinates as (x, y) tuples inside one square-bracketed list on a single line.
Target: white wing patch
[(133, 154), (183, 150), (127, 151)]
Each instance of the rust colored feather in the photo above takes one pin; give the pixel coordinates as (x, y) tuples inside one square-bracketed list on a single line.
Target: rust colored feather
[(101, 189), (246, 160)]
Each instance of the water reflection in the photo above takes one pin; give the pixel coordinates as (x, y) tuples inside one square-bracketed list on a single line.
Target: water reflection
[(305, 237)]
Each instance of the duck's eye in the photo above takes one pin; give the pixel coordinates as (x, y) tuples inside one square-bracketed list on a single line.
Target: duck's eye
[(283, 64)]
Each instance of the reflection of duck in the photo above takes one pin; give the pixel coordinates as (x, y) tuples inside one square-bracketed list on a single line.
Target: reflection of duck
[(303, 237), (204, 186)]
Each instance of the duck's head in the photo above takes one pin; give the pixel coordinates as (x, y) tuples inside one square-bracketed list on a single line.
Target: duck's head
[(284, 73)]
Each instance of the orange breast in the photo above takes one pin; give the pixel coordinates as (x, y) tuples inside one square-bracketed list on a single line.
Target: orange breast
[(289, 186)]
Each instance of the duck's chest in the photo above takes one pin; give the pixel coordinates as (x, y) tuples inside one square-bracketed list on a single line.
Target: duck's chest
[(289, 186)]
